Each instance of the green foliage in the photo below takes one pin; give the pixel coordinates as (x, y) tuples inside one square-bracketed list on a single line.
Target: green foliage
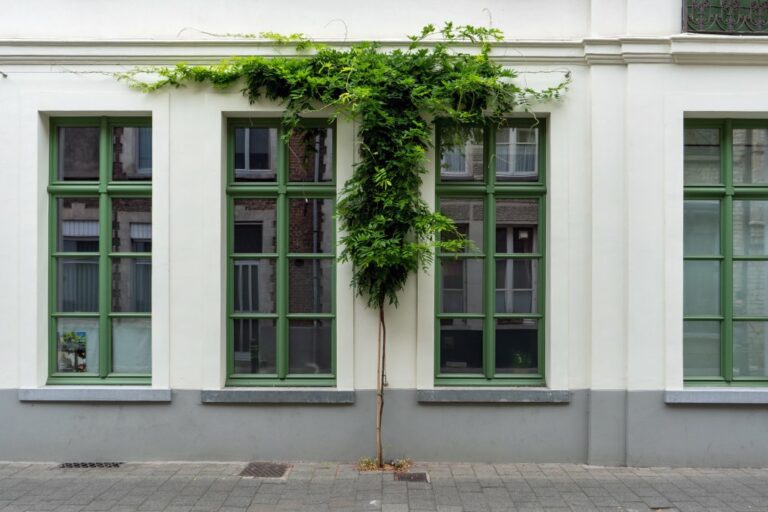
[(389, 230)]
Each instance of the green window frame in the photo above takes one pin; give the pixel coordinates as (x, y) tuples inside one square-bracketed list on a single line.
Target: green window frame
[(276, 340), (725, 259), (502, 202), (114, 302)]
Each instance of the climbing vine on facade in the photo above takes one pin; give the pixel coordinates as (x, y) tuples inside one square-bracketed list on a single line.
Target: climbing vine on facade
[(394, 96)]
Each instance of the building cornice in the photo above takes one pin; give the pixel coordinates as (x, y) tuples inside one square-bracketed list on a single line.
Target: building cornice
[(675, 49)]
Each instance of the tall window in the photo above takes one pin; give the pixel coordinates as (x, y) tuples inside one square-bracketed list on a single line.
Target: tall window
[(725, 304), (490, 298), (282, 249), (100, 245)]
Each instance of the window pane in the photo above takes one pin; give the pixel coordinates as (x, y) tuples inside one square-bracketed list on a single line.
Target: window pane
[(77, 345), (255, 154), (750, 231), (309, 282), (701, 228), (255, 350), (467, 214), (517, 345), (77, 285), (750, 161), (254, 286), (517, 154), (78, 224), (462, 160), (132, 225), (702, 156), (516, 222), (516, 282), (462, 285), (701, 349), (255, 227), (131, 345), (750, 288), (701, 288), (310, 225), (78, 153), (131, 153), (461, 346), (131, 285), (309, 346), (750, 349), (310, 155)]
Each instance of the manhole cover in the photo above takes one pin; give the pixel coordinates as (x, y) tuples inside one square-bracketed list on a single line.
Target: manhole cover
[(265, 470), (89, 465), (411, 477)]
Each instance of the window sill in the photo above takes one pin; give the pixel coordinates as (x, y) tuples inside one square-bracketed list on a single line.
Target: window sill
[(717, 396), (278, 396), (94, 394), (494, 396)]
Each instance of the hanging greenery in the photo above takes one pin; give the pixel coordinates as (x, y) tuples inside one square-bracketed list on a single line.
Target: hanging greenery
[(389, 232)]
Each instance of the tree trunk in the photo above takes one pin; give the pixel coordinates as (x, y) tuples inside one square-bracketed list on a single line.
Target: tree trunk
[(380, 377)]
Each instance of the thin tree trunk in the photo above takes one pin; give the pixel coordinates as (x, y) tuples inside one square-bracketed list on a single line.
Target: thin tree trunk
[(381, 371)]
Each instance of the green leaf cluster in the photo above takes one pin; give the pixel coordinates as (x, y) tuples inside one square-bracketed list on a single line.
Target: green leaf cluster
[(394, 97)]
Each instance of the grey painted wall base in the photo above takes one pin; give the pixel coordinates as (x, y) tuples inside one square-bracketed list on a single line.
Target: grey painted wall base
[(607, 420), (599, 427)]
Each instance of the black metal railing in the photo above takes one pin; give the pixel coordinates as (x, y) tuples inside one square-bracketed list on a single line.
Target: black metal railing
[(746, 17)]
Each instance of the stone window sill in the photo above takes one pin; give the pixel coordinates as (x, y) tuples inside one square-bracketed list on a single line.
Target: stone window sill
[(94, 394), (494, 395), (278, 396), (717, 396)]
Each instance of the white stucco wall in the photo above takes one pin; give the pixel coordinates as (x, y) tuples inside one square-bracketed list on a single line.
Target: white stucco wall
[(614, 269)]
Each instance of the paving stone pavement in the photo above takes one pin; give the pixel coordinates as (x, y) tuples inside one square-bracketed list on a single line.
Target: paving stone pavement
[(208, 487)]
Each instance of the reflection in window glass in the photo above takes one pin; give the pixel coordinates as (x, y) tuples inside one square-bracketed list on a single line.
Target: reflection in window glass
[(77, 285), (254, 285), (255, 154), (78, 224), (702, 228), (750, 156), (750, 349), (78, 153), (131, 285), (461, 346), (310, 155), (467, 214), (309, 283), (255, 225), (462, 285), (701, 349), (701, 287), (132, 224), (131, 153), (462, 161), (517, 345), (750, 228), (517, 153), (701, 156), (309, 346), (310, 226), (516, 225), (255, 350)]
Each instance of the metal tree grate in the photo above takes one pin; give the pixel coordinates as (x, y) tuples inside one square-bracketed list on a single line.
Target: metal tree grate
[(411, 477), (265, 470), (89, 465)]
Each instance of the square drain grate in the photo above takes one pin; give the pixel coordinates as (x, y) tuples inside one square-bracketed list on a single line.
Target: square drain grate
[(265, 470), (89, 465), (411, 477)]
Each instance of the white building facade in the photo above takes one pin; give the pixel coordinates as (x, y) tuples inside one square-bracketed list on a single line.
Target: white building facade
[(170, 285)]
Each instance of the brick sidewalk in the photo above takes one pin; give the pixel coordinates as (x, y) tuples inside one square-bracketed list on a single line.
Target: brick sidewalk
[(321, 487)]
